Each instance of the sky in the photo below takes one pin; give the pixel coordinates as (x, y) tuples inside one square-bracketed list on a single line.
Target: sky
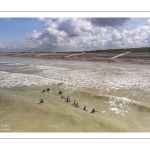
[(72, 34)]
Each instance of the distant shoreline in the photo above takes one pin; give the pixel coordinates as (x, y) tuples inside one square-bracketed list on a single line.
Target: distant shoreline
[(133, 57)]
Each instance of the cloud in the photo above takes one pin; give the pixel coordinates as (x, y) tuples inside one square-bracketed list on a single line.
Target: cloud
[(75, 26), (35, 37), (2, 46), (99, 31), (80, 34), (148, 22), (67, 33), (111, 22), (10, 47), (138, 37), (51, 23), (60, 34), (41, 19), (51, 39)]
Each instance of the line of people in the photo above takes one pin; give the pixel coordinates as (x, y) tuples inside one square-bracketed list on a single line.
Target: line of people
[(76, 104), (68, 100)]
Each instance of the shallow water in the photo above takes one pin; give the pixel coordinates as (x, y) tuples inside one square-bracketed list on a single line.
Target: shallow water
[(119, 92)]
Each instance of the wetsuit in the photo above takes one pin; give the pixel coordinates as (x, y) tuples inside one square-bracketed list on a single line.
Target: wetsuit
[(84, 108), (48, 89), (42, 101), (75, 102), (93, 111)]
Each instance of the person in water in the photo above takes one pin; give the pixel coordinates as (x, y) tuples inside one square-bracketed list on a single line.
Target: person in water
[(75, 102), (84, 108), (48, 89), (77, 105), (44, 91), (93, 111), (42, 101), (68, 99), (60, 92)]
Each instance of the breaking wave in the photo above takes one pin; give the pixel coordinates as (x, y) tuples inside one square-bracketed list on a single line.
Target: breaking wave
[(8, 79)]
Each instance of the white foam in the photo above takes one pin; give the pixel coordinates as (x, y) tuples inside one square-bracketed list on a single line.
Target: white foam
[(98, 77), (103, 76), (11, 64), (50, 67), (4, 62), (120, 105), (17, 79)]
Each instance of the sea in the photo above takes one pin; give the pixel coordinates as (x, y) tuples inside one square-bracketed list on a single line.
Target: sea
[(119, 92)]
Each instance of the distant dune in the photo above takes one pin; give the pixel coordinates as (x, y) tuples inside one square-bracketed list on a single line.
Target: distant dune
[(135, 57)]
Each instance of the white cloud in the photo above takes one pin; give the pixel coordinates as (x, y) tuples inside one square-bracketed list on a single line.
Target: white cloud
[(49, 23), (148, 22), (73, 27), (41, 19), (10, 47), (63, 34), (115, 35), (35, 37), (2, 46)]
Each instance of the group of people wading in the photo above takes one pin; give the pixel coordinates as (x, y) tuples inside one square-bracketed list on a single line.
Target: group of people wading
[(67, 100), (75, 102)]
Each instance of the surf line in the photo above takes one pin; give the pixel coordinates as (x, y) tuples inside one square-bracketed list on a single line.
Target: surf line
[(74, 54)]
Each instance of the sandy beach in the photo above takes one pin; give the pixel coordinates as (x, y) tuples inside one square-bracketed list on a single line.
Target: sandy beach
[(136, 57)]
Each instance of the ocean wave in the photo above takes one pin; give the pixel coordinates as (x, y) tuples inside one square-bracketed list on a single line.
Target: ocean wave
[(123, 105), (45, 67), (11, 64), (117, 105), (8, 79), (107, 79), (76, 75)]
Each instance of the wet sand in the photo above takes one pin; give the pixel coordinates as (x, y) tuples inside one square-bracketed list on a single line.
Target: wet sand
[(136, 57)]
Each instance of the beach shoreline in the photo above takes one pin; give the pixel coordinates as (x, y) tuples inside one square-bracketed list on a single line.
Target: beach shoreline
[(117, 91), (136, 57)]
